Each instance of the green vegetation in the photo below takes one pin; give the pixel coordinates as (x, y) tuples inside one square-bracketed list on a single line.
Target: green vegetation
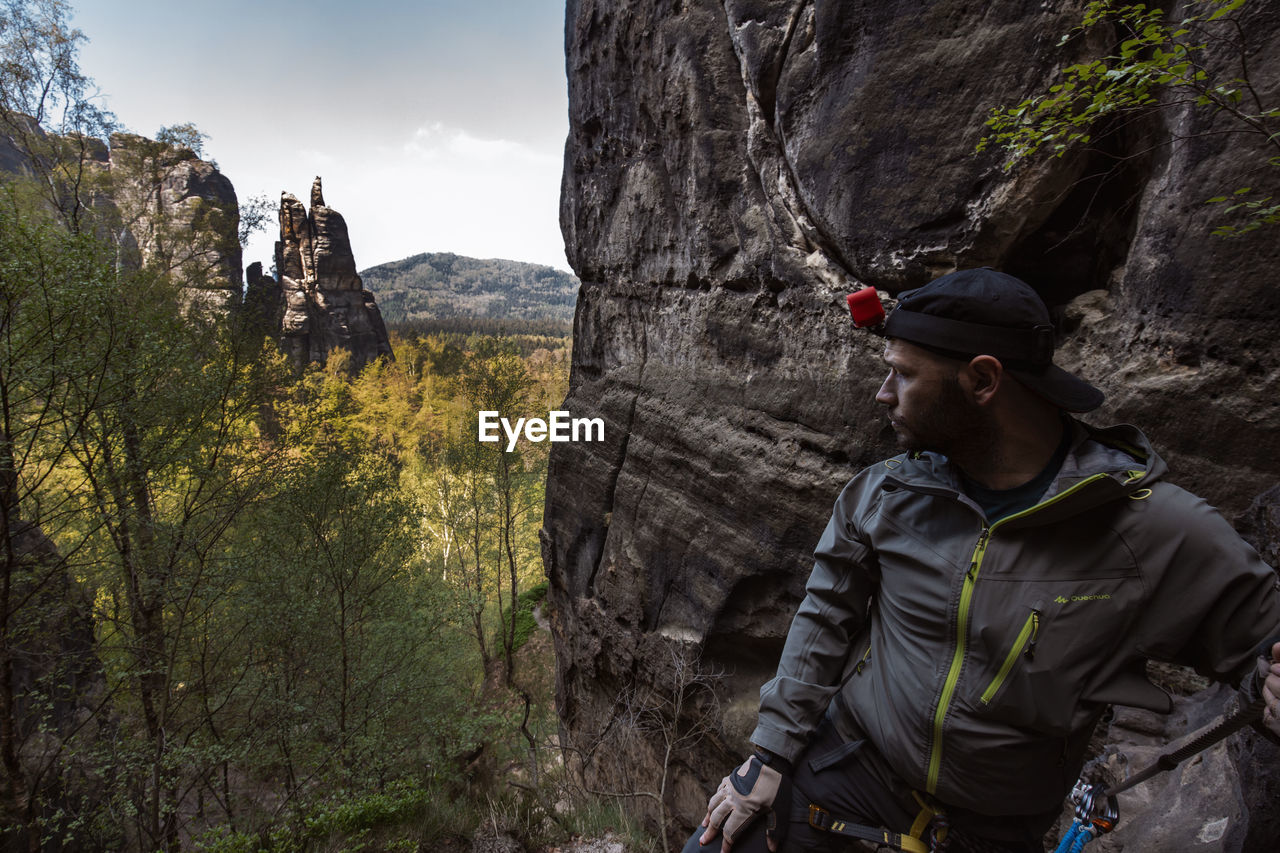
[(1156, 64), (242, 609), (525, 620), (297, 592), (478, 295)]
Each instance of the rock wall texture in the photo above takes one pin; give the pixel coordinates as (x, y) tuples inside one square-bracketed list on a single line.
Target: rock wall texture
[(319, 304), (160, 205), (179, 213), (732, 169)]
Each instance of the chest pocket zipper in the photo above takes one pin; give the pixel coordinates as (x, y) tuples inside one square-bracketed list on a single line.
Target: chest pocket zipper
[(1025, 644), (857, 670)]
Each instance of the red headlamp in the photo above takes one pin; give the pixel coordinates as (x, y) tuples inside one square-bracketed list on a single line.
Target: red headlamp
[(865, 307)]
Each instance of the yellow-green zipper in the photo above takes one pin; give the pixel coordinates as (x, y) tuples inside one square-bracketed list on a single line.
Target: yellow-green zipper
[(962, 627), (953, 674), (866, 658), (1026, 642)]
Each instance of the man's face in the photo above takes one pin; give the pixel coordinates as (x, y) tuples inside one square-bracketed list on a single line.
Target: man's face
[(927, 407)]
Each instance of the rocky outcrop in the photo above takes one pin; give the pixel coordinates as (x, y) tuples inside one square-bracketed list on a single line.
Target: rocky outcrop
[(732, 169), (178, 214), (157, 204), (15, 156), (321, 304), (1220, 801)]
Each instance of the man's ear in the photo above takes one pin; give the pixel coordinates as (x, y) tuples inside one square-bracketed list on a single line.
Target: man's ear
[(982, 377)]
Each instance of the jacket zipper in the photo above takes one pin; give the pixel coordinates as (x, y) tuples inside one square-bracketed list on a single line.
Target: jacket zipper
[(953, 674), (962, 628), (857, 670), (1025, 644)]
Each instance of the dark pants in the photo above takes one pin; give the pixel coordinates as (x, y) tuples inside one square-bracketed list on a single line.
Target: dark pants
[(852, 782)]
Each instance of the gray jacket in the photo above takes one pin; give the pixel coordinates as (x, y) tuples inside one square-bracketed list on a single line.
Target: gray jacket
[(977, 657)]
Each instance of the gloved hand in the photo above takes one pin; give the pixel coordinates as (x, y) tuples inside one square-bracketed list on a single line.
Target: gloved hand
[(742, 795), (1269, 679)]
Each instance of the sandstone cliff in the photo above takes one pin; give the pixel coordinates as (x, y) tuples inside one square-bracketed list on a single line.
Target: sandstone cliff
[(158, 204), (320, 303), (178, 213), (732, 169)]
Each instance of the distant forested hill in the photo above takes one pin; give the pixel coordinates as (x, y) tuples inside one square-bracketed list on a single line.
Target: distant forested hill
[(443, 288)]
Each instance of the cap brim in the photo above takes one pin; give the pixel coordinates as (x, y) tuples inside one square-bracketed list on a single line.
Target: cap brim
[(1067, 392)]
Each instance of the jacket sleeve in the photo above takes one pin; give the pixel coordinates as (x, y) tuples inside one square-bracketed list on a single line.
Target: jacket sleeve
[(1212, 599), (830, 616)]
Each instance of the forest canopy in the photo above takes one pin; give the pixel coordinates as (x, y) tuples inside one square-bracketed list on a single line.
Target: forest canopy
[(240, 608)]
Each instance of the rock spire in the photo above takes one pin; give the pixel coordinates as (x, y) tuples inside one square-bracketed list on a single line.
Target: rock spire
[(321, 302)]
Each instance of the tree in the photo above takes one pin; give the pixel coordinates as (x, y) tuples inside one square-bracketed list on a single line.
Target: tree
[(47, 106), (1158, 65), (128, 448), (650, 727), (52, 286), (128, 445), (487, 497), (185, 135), (161, 469)]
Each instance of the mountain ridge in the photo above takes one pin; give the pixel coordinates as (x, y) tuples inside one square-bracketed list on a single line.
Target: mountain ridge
[(445, 285)]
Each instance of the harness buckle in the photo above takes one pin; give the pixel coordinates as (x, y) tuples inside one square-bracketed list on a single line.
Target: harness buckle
[(819, 818)]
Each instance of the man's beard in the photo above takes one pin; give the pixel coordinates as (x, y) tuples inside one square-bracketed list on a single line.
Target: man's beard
[(952, 424)]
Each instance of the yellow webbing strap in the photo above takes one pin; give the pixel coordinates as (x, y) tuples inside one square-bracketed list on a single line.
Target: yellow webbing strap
[(926, 816), (820, 818), (912, 845)]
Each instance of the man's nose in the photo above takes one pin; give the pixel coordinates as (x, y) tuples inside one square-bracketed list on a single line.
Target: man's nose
[(885, 395)]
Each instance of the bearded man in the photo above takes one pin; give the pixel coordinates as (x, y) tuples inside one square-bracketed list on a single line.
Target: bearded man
[(977, 602)]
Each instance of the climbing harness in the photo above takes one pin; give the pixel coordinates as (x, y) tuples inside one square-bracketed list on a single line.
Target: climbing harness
[(820, 818), (931, 833), (1097, 811), (912, 841)]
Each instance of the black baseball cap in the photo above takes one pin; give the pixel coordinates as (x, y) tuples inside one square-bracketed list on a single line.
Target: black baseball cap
[(987, 312)]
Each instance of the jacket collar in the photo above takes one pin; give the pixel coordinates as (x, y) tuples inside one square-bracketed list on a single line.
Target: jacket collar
[(1121, 454)]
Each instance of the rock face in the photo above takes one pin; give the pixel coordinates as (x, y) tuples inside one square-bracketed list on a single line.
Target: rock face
[(181, 214), (1220, 801), (158, 204), (732, 169), (321, 304)]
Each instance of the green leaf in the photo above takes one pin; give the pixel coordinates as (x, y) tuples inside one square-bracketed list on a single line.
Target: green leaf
[(1227, 9)]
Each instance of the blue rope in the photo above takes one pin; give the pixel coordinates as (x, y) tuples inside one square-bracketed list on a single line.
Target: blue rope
[(1086, 835), (1076, 838)]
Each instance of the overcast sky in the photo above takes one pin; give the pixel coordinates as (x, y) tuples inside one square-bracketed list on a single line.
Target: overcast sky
[(437, 125)]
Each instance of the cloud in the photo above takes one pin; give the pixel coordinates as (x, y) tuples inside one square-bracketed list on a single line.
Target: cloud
[(436, 142)]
